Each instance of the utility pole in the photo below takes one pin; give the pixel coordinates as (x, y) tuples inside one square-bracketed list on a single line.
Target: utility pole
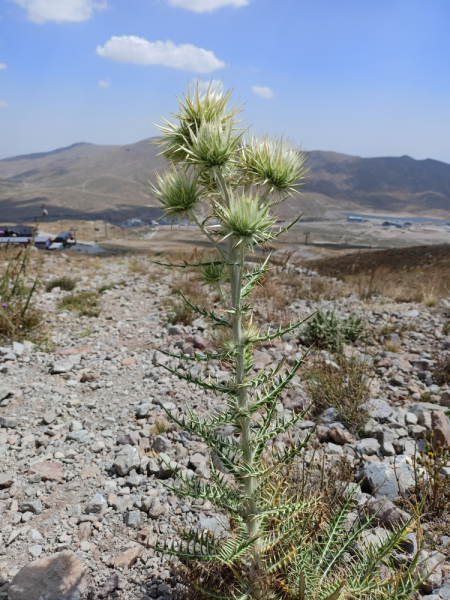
[(306, 238), (106, 229)]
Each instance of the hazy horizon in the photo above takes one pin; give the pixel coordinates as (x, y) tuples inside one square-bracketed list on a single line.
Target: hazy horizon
[(49, 151)]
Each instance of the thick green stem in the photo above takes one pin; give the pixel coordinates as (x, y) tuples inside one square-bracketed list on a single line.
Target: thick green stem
[(236, 277)]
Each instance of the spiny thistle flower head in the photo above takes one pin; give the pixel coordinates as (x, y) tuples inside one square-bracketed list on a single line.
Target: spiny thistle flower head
[(213, 272), (212, 145), (177, 193), (244, 219), (272, 162), (195, 108), (212, 105)]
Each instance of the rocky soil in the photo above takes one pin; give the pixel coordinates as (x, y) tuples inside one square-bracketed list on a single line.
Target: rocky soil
[(82, 464)]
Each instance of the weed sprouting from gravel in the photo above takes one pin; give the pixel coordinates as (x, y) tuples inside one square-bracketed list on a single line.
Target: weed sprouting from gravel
[(326, 330), (85, 303), (67, 284), (160, 426), (19, 316), (341, 383)]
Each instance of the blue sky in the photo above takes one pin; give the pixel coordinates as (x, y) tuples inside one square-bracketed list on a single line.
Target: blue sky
[(363, 77)]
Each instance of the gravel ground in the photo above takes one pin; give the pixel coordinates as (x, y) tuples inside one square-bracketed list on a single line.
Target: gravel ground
[(80, 459)]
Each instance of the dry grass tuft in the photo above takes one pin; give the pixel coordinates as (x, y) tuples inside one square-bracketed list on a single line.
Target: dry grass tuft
[(67, 284), (392, 346), (344, 386), (417, 274)]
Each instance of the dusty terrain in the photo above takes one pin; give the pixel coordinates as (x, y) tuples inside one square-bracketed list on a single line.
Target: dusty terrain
[(80, 453)]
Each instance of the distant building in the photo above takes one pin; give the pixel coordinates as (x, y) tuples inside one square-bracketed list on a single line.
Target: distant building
[(132, 223), (355, 219), (392, 224)]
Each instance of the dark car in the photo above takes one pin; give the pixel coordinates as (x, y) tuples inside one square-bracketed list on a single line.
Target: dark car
[(65, 238)]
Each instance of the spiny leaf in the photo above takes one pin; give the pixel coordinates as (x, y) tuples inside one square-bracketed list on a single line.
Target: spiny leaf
[(198, 381), (206, 313), (235, 548), (186, 265), (335, 595), (280, 332), (253, 278)]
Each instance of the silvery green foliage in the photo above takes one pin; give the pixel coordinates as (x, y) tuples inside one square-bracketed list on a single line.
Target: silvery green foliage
[(326, 330), (229, 186)]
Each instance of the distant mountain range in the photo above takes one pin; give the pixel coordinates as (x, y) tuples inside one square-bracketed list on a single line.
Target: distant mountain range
[(88, 181)]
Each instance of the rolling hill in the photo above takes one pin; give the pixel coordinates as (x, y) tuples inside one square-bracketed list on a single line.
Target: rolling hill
[(88, 181)]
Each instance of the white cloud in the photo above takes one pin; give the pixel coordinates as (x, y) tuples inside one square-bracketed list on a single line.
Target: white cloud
[(104, 83), (133, 49), (216, 85), (2, 66), (263, 91), (60, 11), (207, 5), (3, 104)]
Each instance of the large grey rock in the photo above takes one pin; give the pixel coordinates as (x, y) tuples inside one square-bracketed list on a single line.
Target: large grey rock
[(162, 444), (197, 460), (380, 479), (18, 348), (111, 585), (6, 479), (387, 514), (61, 366), (57, 577), (77, 435), (133, 519), (441, 431), (49, 417), (329, 416), (430, 562), (5, 391), (143, 410), (33, 506), (368, 446), (97, 505), (386, 440), (378, 409), (156, 509), (9, 422), (123, 503), (127, 460)]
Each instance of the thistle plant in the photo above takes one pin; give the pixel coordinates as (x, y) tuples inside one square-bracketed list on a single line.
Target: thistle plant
[(229, 186)]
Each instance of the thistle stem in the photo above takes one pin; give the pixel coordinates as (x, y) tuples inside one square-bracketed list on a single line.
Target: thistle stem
[(236, 278)]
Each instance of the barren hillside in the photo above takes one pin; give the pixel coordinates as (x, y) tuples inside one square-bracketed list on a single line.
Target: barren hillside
[(91, 181)]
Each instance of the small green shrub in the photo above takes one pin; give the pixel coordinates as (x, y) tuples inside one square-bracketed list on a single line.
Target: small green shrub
[(446, 328), (19, 317), (109, 286), (86, 303), (326, 330), (65, 283), (344, 386)]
